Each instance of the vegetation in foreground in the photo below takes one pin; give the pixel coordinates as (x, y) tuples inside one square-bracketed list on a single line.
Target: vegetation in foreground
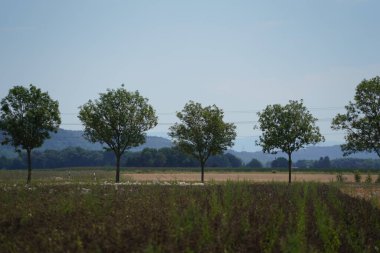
[(231, 217)]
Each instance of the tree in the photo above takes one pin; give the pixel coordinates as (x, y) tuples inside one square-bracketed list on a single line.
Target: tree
[(323, 163), (234, 161), (202, 132), (27, 117), (287, 128), (118, 119), (254, 163), (361, 122), (279, 162)]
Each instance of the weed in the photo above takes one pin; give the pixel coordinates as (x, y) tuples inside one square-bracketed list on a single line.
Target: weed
[(228, 217), (368, 179), (357, 176), (340, 178)]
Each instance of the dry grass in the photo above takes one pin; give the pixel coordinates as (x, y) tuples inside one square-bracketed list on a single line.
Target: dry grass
[(369, 192), (240, 176)]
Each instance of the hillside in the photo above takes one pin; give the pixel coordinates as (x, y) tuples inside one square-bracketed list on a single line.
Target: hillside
[(68, 138)]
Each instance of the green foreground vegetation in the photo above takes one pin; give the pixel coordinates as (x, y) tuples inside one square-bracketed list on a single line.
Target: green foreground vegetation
[(88, 216)]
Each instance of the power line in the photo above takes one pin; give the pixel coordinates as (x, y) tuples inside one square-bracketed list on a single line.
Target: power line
[(249, 111), (172, 123)]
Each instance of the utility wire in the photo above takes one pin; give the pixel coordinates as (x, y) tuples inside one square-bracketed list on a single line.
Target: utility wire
[(238, 111)]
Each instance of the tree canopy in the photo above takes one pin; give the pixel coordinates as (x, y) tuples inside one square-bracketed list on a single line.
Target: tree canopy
[(27, 118), (119, 119), (287, 128), (254, 163), (202, 132), (361, 122), (279, 162)]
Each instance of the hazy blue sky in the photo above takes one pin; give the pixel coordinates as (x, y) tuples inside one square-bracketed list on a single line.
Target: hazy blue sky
[(239, 55)]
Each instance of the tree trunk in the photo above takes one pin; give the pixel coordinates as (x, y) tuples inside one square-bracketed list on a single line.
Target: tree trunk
[(202, 172), (117, 168), (290, 167), (29, 151)]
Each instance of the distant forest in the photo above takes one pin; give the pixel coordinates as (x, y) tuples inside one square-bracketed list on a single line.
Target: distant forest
[(167, 157), (78, 157)]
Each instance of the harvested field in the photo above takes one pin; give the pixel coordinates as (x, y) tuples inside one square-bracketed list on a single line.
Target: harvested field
[(252, 176)]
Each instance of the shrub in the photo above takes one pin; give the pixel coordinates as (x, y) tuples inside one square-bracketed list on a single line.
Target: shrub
[(368, 179), (340, 178), (357, 176)]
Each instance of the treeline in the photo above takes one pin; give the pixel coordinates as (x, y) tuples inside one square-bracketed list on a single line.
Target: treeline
[(324, 163), (173, 157), (78, 157), (342, 163), (168, 157)]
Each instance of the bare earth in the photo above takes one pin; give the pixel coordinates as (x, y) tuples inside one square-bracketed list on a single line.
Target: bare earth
[(252, 176)]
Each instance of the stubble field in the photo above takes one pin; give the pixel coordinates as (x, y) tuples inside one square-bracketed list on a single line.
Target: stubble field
[(240, 176)]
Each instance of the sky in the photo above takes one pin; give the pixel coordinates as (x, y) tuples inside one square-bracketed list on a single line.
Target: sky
[(239, 55)]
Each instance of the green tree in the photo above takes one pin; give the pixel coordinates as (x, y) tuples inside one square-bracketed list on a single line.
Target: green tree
[(202, 132), (323, 163), (279, 162), (118, 119), (27, 118), (254, 163), (361, 122), (287, 128)]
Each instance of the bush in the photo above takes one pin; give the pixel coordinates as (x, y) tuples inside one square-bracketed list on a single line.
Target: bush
[(368, 179), (357, 176), (340, 178)]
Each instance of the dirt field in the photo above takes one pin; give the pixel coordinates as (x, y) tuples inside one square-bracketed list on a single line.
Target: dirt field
[(253, 176)]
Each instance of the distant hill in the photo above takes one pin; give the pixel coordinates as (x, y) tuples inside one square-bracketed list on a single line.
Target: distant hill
[(310, 153), (69, 138)]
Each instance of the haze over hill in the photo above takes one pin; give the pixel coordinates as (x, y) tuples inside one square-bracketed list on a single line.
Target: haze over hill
[(309, 153), (73, 138)]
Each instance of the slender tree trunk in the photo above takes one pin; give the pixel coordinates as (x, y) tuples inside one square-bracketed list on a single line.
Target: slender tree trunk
[(117, 168), (29, 151), (290, 167), (202, 171)]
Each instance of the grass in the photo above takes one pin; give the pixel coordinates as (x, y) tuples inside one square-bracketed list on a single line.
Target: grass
[(88, 215)]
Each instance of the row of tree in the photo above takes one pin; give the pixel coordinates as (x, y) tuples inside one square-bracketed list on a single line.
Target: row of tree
[(78, 157), (341, 163), (168, 157), (119, 119), (322, 163)]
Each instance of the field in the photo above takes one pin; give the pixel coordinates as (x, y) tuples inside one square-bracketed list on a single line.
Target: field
[(83, 212), (150, 174)]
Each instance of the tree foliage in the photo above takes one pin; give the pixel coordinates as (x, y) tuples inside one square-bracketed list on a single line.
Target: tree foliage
[(202, 132), (254, 163), (174, 157), (279, 162), (27, 118), (119, 119), (322, 163), (287, 128), (361, 122), (72, 157)]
